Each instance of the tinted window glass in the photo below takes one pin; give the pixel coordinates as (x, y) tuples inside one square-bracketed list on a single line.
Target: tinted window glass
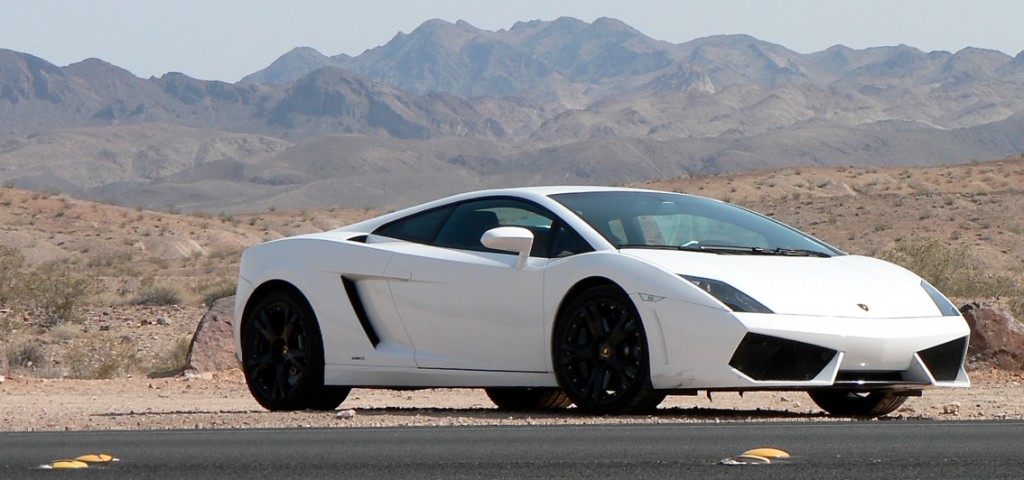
[(461, 227), (470, 220), (419, 228)]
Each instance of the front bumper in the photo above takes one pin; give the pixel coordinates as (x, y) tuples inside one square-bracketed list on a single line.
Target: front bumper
[(703, 348)]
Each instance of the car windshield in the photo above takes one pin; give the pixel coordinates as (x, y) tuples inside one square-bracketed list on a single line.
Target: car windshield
[(685, 222)]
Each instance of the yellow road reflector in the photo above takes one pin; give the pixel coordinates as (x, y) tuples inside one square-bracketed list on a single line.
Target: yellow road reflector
[(97, 458), (767, 453), (746, 460), (63, 464)]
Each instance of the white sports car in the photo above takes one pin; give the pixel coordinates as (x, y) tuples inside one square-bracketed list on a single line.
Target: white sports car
[(608, 298)]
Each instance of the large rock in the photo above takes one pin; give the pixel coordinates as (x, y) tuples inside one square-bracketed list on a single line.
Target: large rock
[(213, 347), (997, 339)]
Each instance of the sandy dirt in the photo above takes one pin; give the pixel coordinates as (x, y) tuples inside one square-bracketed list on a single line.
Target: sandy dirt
[(221, 400)]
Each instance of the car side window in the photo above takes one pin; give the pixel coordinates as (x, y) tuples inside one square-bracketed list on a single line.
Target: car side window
[(462, 225), (419, 228), (470, 220), (566, 242)]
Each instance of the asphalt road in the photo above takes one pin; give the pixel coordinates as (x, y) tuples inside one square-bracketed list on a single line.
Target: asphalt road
[(869, 449)]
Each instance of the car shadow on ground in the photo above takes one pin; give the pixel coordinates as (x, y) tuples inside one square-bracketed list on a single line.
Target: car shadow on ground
[(671, 413)]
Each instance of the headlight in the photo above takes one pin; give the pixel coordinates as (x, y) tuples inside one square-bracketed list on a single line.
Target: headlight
[(736, 300), (945, 306)]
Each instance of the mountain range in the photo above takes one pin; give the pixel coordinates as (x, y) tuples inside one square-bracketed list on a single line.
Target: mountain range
[(450, 107)]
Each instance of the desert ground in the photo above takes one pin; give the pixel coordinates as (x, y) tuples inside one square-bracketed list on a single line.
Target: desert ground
[(221, 400)]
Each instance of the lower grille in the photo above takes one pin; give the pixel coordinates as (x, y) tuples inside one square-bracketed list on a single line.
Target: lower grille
[(944, 361), (762, 357)]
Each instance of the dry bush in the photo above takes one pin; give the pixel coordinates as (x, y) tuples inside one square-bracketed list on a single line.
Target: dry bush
[(52, 291), (26, 353), (65, 333), (118, 361), (216, 290), (11, 261), (950, 268), (157, 294), (1016, 305), (7, 327), (174, 357), (99, 357)]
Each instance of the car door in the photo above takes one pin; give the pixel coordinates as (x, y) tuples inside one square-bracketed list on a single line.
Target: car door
[(468, 307)]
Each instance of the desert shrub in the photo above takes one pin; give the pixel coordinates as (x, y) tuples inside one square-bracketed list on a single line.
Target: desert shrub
[(1016, 305), (11, 261), (211, 292), (26, 353), (950, 268), (53, 291), (7, 326), (118, 361), (159, 294), (174, 357), (101, 357), (65, 333)]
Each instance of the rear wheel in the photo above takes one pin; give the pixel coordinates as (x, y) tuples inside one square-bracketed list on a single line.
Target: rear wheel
[(528, 398), (850, 403), (600, 354), (283, 357)]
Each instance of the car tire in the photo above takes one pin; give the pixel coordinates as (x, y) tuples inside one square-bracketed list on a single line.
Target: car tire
[(283, 357), (849, 403), (600, 354), (527, 398)]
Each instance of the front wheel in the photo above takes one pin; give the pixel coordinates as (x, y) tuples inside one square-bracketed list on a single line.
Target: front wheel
[(600, 354), (283, 356), (849, 403)]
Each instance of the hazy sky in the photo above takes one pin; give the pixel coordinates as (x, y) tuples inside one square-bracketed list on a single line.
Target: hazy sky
[(226, 40)]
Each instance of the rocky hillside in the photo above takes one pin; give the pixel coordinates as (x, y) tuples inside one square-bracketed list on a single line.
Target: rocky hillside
[(448, 107)]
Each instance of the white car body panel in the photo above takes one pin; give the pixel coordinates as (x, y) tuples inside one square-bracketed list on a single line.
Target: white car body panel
[(447, 317)]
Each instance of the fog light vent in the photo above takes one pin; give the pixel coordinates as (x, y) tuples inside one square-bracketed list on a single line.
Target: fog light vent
[(944, 361), (769, 358)]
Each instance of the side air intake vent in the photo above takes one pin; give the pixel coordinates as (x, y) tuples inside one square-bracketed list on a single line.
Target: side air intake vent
[(357, 306), (944, 361), (769, 358)]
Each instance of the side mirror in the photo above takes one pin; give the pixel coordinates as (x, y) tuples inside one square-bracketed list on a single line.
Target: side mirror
[(510, 239)]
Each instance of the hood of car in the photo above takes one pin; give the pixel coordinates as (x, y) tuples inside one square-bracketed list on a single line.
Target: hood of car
[(841, 286)]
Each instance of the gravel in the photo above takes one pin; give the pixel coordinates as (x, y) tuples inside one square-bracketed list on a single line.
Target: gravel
[(221, 400)]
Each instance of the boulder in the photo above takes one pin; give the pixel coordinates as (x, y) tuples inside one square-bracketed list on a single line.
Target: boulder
[(997, 339), (213, 346)]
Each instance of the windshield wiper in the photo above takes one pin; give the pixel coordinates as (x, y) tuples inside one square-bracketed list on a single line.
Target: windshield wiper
[(643, 245), (731, 249), (741, 250)]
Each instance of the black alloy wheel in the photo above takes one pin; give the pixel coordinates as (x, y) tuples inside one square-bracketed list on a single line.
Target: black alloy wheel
[(283, 358), (600, 354)]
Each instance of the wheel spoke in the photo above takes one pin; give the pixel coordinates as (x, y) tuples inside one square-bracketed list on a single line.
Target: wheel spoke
[(592, 314), (291, 322), (572, 353), (280, 389), (597, 386), (625, 373), (261, 361), (624, 329), (265, 326)]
